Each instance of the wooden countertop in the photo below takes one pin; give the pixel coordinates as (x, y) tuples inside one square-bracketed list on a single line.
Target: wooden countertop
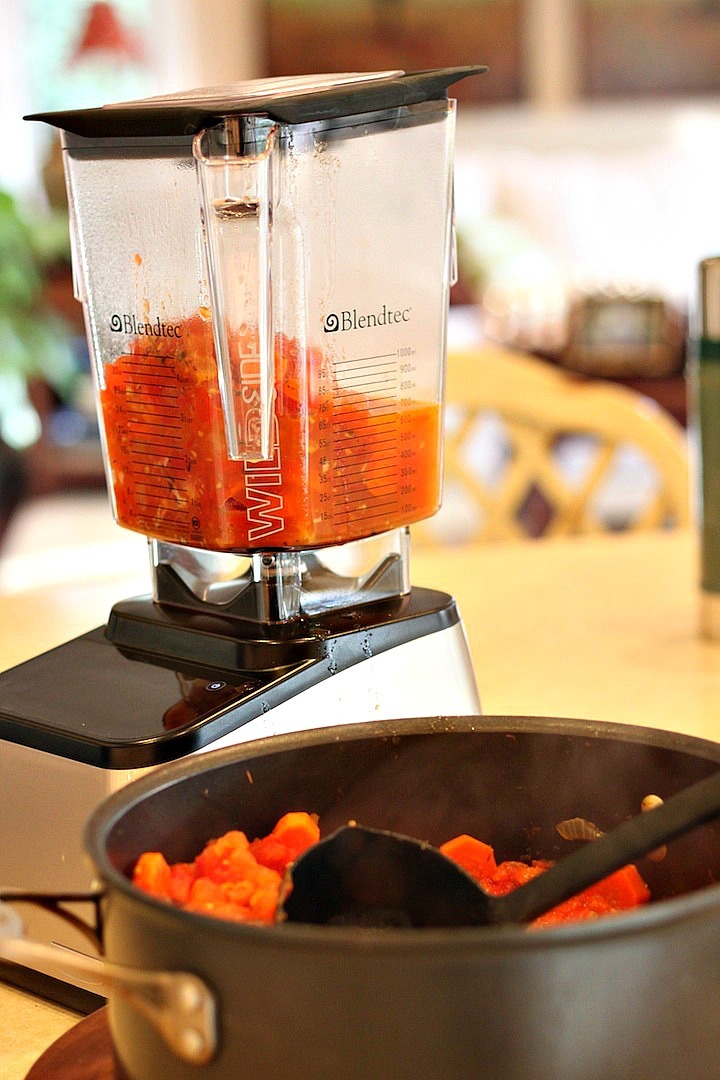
[(597, 627), (30, 1025)]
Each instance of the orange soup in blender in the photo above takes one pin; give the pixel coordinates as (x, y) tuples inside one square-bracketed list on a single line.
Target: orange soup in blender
[(346, 463)]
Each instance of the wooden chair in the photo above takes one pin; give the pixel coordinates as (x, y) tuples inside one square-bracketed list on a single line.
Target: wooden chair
[(531, 450)]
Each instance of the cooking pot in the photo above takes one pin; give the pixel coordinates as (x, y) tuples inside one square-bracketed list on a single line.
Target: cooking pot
[(633, 995)]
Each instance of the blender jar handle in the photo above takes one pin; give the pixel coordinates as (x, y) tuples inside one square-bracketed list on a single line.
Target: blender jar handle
[(235, 198)]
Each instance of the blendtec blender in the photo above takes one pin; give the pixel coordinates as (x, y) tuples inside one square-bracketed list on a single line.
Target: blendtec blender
[(264, 271)]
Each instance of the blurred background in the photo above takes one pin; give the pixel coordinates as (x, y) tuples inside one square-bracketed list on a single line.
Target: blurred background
[(586, 175)]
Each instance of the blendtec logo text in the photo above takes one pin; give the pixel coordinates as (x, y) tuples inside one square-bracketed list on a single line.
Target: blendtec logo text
[(336, 322)]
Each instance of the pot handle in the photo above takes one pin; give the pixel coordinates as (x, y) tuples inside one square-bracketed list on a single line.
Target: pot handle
[(178, 1004)]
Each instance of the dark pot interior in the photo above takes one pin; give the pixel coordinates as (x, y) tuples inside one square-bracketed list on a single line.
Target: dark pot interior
[(506, 780)]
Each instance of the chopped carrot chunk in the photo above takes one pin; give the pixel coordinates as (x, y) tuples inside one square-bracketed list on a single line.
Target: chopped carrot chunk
[(475, 856)]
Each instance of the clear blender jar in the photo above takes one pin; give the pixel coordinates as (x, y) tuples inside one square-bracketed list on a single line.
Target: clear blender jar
[(265, 272)]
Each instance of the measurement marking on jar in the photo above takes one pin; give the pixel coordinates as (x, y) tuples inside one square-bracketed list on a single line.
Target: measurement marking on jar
[(359, 489), (170, 519), (364, 360), (144, 457), (169, 491), (359, 475), (366, 442), (149, 377), (381, 424), (150, 438), (362, 427), (155, 438), (169, 481), (378, 420), (372, 446), (168, 478), (366, 363), (168, 464), (140, 416), (173, 486), (147, 380), (350, 402), (136, 358), (137, 429), (375, 509), (370, 512), (372, 452), (141, 412), (362, 476), (171, 474), (384, 378), (342, 414), (174, 495), (360, 485), (349, 476), (139, 434), (138, 421), (153, 480), (373, 412), (371, 373), (147, 404), (151, 401), (362, 468), (348, 471), (162, 404), (177, 495), (353, 393), (173, 504), (369, 385), (150, 374), (167, 430), (155, 371)]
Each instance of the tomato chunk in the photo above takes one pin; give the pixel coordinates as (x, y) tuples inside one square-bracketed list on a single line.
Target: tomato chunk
[(231, 877), (152, 873)]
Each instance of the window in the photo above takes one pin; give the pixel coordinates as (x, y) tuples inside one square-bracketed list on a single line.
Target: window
[(37, 73)]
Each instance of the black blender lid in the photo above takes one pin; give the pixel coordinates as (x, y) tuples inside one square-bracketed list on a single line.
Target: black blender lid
[(292, 100)]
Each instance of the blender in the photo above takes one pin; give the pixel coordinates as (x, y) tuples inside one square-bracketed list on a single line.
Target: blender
[(264, 271)]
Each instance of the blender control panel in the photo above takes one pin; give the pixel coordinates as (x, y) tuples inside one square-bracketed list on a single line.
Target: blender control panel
[(87, 700)]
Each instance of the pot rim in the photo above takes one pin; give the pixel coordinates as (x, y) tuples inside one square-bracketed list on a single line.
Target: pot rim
[(696, 904)]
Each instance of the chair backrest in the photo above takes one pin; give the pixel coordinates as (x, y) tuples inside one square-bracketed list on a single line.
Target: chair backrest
[(531, 450)]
